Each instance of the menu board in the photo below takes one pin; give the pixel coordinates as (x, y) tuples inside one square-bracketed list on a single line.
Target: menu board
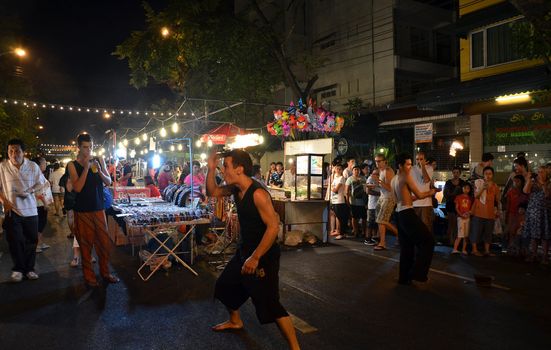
[(302, 165), (316, 165)]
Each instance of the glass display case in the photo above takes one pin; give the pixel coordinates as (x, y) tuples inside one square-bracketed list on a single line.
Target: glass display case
[(309, 177)]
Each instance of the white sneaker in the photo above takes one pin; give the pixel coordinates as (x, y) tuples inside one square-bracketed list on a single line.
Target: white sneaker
[(44, 246), (38, 250), (31, 275), (16, 276), (75, 262)]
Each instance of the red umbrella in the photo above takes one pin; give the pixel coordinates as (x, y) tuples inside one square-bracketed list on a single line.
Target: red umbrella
[(220, 134)]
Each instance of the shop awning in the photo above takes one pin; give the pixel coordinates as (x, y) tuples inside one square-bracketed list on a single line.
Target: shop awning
[(220, 134), (527, 80), (489, 15), (420, 119)]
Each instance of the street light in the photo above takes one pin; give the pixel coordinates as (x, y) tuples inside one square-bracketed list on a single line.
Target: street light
[(18, 51), (165, 32)]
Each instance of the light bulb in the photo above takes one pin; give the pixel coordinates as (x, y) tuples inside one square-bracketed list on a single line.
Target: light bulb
[(175, 127), (180, 147), (209, 143), (144, 137), (163, 132), (172, 148), (160, 150), (137, 141), (125, 142), (198, 143)]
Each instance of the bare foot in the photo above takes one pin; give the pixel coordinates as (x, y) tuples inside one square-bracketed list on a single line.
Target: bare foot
[(228, 325)]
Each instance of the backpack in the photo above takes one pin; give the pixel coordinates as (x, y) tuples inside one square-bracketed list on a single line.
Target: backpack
[(358, 191)]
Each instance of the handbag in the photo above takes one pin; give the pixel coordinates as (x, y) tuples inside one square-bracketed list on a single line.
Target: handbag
[(47, 194)]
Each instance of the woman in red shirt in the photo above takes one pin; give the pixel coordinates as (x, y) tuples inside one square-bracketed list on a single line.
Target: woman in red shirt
[(148, 180), (484, 212)]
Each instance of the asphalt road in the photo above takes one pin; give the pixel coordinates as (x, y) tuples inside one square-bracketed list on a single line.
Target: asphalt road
[(342, 296)]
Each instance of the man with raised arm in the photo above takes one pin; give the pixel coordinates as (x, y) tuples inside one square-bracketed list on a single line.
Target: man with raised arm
[(88, 175), (416, 242), (253, 271)]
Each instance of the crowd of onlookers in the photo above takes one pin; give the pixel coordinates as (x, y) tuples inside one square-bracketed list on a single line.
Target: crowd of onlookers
[(483, 219)]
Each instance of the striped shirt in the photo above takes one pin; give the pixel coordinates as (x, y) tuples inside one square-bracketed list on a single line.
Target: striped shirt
[(26, 179)]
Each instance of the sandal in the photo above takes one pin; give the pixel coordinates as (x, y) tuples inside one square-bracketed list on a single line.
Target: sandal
[(111, 279), (379, 247), (334, 233)]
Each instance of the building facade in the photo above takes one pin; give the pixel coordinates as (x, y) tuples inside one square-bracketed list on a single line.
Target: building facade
[(499, 89)]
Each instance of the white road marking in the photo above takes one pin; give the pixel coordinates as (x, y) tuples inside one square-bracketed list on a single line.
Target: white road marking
[(302, 325), (449, 274)]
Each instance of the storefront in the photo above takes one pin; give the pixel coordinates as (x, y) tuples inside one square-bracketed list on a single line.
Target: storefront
[(445, 138), (528, 131)]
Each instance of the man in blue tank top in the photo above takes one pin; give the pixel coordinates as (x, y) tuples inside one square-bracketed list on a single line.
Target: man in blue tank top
[(253, 271)]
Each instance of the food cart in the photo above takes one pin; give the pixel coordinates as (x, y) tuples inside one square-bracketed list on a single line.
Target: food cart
[(305, 207)]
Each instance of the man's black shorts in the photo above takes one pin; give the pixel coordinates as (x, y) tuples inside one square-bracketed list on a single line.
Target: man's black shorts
[(358, 211), (233, 289)]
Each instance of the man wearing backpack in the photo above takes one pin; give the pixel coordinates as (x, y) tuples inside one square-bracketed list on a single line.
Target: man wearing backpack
[(357, 199)]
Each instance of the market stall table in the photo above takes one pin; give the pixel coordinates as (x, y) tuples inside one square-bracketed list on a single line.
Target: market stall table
[(153, 231), (152, 218)]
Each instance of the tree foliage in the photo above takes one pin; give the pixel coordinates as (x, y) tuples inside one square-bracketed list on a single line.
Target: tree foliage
[(208, 53), (533, 36), (211, 52)]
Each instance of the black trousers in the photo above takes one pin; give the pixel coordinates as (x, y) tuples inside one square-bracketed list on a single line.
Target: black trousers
[(233, 289), (22, 237), (416, 247)]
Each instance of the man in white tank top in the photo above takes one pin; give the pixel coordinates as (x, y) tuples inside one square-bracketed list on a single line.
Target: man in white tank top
[(416, 242)]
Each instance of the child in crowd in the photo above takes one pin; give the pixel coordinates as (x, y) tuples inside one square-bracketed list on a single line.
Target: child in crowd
[(515, 239), (515, 198), (463, 203)]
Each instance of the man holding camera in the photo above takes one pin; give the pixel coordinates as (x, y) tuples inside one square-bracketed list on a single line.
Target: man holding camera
[(88, 175)]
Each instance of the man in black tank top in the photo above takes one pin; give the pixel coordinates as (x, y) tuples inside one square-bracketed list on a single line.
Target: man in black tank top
[(88, 175), (253, 271)]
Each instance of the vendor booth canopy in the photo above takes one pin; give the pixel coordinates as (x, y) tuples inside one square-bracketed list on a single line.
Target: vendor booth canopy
[(220, 134)]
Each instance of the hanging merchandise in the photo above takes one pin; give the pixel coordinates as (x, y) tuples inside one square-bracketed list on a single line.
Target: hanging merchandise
[(304, 119)]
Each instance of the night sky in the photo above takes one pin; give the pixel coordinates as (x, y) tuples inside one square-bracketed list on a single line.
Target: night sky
[(70, 61)]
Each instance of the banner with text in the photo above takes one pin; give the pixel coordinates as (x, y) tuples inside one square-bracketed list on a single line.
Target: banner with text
[(423, 133)]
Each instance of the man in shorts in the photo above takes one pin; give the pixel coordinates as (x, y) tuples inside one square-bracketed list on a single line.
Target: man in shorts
[(253, 271), (386, 203)]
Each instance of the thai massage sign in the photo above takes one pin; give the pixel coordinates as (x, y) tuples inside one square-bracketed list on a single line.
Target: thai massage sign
[(423, 133), (526, 127)]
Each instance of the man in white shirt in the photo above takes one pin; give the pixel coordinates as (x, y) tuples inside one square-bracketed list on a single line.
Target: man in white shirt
[(350, 164), (422, 174), (19, 179)]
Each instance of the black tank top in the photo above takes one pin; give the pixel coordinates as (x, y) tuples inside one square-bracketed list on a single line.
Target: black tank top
[(90, 198), (250, 221)]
